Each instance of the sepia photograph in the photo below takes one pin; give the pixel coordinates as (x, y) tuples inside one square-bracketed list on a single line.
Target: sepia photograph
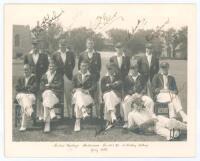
[(100, 73)]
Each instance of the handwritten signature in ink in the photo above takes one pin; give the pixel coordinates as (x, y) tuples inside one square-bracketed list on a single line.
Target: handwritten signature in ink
[(106, 20)]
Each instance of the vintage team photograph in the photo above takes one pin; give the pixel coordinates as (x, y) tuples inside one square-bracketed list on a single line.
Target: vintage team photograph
[(99, 73)]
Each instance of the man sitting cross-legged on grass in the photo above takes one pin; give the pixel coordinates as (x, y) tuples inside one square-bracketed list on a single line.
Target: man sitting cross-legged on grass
[(111, 86), (165, 91), (84, 85), (26, 88), (50, 86), (134, 87), (143, 119)]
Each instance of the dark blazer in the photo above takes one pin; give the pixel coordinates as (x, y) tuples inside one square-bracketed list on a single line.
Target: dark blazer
[(145, 70), (67, 67), (107, 85), (57, 84), (88, 83), (123, 71), (94, 66), (158, 84), (40, 67), (31, 86), (131, 86)]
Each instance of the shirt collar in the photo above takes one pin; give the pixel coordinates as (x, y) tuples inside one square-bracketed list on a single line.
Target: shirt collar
[(134, 76), (164, 74), (121, 55), (87, 73), (63, 52), (28, 77), (148, 55), (93, 51), (31, 52)]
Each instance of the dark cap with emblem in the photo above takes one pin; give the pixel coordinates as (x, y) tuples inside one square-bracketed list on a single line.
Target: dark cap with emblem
[(164, 65), (118, 45)]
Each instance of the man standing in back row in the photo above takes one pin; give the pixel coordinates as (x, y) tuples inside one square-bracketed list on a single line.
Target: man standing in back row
[(65, 62), (122, 62), (94, 67), (148, 67), (38, 63)]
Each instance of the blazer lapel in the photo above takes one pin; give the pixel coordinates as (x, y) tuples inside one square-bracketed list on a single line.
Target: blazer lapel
[(161, 80), (31, 59), (146, 61), (115, 61), (60, 59), (152, 60), (39, 57), (79, 77)]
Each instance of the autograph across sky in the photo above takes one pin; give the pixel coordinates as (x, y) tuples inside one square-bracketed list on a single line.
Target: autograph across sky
[(104, 17)]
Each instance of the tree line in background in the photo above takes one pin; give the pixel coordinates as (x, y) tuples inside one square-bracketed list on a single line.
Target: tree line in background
[(166, 43)]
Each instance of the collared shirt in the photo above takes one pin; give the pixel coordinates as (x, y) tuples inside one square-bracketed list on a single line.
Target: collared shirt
[(26, 80), (134, 77), (90, 54), (83, 76), (35, 57), (149, 57), (63, 55), (120, 59), (50, 76), (165, 81)]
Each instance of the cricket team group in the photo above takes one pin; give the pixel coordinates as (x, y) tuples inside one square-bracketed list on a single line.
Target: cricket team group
[(128, 90)]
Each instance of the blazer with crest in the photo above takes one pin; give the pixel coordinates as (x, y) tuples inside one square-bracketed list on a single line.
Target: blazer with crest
[(94, 64), (87, 83), (56, 85), (145, 70), (131, 86), (115, 85), (40, 67), (67, 67), (31, 86), (158, 83), (123, 71)]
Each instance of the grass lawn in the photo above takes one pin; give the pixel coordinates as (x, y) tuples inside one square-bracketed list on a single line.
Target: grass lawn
[(63, 130)]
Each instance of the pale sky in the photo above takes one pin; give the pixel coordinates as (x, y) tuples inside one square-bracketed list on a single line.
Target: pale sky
[(85, 15)]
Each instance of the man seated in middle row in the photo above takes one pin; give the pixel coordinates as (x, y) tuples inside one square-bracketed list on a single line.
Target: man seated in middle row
[(51, 84), (111, 86), (82, 97), (134, 87)]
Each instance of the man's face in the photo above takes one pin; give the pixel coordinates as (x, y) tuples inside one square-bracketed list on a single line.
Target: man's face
[(84, 67), (52, 68), (119, 50), (27, 70), (149, 50), (165, 70), (90, 45), (35, 46), (63, 47), (134, 70)]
